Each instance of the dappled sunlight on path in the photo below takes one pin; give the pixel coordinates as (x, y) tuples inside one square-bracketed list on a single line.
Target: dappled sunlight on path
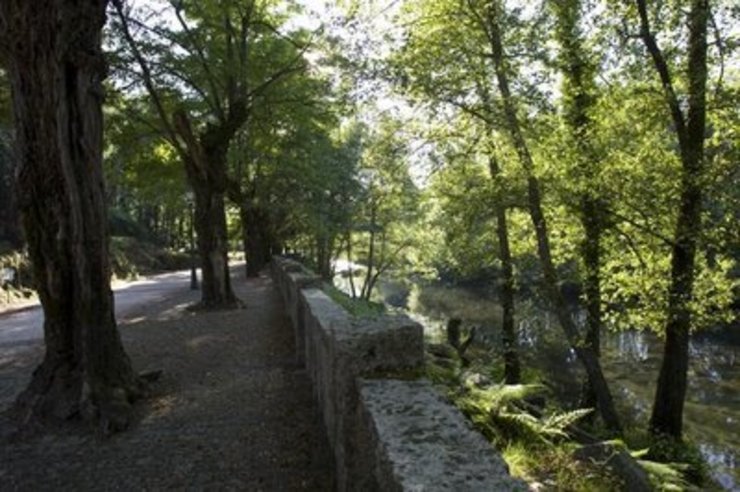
[(232, 410)]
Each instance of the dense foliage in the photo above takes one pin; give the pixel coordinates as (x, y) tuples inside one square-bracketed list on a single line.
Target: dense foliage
[(582, 144)]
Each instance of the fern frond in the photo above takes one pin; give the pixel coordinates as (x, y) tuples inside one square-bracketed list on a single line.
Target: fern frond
[(670, 476), (564, 420), (500, 395)]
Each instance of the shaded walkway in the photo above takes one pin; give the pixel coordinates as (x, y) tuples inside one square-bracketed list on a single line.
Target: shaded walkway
[(232, 410)]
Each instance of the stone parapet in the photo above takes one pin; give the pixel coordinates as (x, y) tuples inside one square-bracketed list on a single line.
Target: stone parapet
[(386, 434), (419, 441)]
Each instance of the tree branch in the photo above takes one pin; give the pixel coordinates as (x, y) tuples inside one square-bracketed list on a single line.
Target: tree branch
[(721, 50), (170, 132), (643, 227), (201, 57), (194, 159), (662, 68), (632, 246)]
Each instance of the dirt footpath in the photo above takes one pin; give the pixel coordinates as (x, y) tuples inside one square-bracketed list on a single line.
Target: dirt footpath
[(232, 411)]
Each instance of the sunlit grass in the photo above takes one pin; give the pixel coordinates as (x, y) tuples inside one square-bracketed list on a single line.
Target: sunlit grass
[(356, 307)]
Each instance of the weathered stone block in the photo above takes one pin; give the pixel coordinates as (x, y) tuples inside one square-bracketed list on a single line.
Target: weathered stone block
[(385, 435), (418, 441)]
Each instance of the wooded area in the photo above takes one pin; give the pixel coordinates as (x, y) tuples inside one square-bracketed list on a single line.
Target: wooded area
[(529, 148)]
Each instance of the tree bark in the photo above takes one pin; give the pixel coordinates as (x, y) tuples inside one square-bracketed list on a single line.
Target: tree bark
[(324, 255), (588, 358), (10, 228), (255, 230), (365, 291), (210, 225), (578, 100), (512, 366), (591, 253), (667, 414), (205, 164), (56, 69), (350, 270)]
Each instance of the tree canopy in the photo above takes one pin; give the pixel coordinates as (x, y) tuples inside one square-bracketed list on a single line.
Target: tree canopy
[(531, 147)]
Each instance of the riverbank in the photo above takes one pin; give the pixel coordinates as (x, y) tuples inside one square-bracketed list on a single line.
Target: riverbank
[(631, 361)]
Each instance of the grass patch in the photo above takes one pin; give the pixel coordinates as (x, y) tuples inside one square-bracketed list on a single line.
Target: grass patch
[(555, 468), (671, 464), (359, 308)]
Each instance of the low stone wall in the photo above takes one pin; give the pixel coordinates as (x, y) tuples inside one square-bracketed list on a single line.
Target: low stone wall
[(386, 434)]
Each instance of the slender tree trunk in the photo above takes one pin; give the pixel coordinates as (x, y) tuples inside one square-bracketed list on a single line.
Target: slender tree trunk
[(244, 216), (667, 415), (591, 253), (380, 265), (365, 293), (512, 366), (588, 358), (180, 238), (350, 271), (323, 256), (255, 230), (56, 70), (373, 281), (578, 100)]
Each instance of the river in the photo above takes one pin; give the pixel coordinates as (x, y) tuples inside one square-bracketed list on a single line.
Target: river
[(631, 360)]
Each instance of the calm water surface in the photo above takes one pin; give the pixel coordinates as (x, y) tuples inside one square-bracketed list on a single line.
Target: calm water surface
[(631, 361)]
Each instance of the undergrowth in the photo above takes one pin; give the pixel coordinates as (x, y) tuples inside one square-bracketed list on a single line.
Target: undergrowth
[(534, 435), (671, 464), (131, 257)]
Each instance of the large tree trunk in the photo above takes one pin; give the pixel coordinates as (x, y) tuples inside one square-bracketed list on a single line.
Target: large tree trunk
[(56, 69), (210, 225), (205, 164), (667, 415), (10, 228), (585, 354)]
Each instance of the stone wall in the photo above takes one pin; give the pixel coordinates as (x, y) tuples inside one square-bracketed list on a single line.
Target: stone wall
[(388, 431)]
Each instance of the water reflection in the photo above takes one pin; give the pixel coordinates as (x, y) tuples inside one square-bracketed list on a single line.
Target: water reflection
[(631, 360)]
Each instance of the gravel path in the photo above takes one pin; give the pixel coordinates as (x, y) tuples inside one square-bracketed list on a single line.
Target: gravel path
[(232, 411)]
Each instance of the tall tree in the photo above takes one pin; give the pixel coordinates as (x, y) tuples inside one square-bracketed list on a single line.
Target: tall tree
[(463, 80), (491, 21), (221, 67), (56, 70), (389, 201), (272, 150), (204, 157), (689, 124), (578, 100)]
